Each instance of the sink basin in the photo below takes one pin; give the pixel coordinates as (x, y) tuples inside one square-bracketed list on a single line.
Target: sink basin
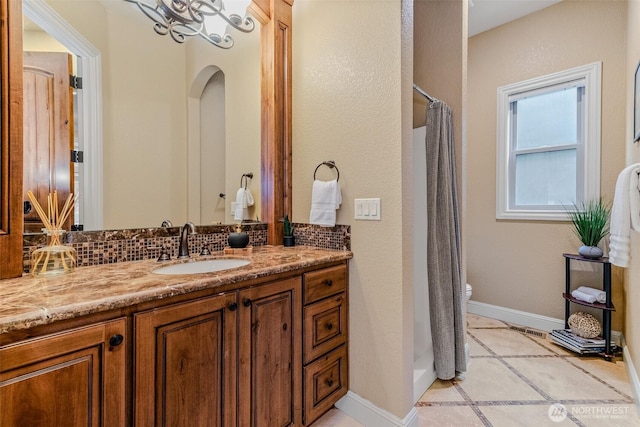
[(206, 266)]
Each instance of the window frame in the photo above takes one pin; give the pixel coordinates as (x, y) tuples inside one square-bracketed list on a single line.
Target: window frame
[(587, 161)]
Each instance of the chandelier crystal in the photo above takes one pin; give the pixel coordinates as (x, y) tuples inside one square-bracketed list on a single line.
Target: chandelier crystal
[(209, 19)]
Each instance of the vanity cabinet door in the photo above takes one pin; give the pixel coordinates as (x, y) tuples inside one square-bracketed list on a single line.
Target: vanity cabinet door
[(185, 364), (270, 359), (71, 378)]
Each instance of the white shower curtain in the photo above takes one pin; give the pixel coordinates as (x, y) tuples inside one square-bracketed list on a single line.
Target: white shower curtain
[(443, 244)]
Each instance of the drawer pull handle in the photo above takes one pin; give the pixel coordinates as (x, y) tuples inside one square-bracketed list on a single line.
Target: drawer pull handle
[(246, 302), (328, 282), (233, 306), (116, 340), (329, 326), (329, 382)]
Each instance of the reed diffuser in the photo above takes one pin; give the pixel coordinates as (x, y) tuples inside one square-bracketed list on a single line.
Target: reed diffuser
[(55, 258)]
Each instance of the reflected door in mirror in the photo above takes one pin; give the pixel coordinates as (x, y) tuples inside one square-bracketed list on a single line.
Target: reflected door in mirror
[(48, 132)]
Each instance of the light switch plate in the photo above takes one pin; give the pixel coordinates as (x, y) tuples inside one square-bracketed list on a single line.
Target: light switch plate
[(367, 209)]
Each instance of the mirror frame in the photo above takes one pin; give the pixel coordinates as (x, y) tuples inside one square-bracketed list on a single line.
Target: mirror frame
[(276, 145), (276, 174), (11, 216)]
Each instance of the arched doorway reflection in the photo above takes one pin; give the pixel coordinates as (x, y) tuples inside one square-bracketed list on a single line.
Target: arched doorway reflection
[(207, 147), (212, 150)]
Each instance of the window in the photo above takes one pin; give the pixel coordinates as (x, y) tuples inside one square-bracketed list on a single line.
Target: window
[(548, 153)]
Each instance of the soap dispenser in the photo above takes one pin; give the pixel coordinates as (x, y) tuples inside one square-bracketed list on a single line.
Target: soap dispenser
[(239, 239)]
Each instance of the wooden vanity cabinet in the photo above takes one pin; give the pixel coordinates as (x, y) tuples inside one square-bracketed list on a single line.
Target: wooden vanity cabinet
[(257, 354), (71, 378), (325, 371), (269, 383), (193, 360), (185, 363)]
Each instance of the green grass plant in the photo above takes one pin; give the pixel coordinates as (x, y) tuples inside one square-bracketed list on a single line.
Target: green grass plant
[(590, 221)]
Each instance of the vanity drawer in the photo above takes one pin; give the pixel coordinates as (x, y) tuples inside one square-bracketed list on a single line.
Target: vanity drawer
[(323, 283), (325, 381), (325, 326)]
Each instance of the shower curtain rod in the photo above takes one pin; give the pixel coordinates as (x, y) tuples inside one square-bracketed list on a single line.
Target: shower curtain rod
[(423, 93)]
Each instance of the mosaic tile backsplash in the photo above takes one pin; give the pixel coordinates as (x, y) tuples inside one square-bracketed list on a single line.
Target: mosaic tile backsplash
[(112, 246)]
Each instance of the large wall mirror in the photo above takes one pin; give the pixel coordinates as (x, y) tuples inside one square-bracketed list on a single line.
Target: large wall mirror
[(148, 157), (167, 131)]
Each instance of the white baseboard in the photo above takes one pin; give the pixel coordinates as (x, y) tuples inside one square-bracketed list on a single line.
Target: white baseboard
[(523, 318), (422, 380), (369, 415), (531, 320), (632, 373)]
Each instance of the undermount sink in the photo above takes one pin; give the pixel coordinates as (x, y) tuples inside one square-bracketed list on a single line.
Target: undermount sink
[(205, 266)]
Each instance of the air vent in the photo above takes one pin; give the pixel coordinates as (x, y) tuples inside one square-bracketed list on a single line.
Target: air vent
[(528, 331)]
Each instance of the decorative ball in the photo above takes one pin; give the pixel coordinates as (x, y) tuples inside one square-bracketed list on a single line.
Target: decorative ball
[(584, 325)]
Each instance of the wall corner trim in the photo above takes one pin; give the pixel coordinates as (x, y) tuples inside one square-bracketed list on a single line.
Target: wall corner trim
[(632, 373), (368, 414)]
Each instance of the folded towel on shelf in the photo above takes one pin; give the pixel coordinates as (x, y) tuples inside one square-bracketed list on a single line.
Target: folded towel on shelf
[(625, 215), (326, 197), (244, 199), (583, 296), (600, 295)]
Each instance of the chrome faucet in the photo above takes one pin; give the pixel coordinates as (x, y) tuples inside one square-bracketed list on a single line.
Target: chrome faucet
[(187, 229)]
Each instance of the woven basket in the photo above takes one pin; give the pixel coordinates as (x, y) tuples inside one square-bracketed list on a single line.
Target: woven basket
[(584, 325)]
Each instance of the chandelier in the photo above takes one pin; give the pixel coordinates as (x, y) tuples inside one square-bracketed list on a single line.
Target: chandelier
[(209, 19)]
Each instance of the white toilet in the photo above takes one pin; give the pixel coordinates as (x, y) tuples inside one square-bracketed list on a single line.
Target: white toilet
[(469, 291)]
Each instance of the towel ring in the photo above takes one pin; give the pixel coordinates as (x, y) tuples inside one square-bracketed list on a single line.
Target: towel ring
[(246, 177), (330, 164)]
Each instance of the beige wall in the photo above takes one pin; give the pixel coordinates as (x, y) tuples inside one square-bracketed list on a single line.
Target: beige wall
[(145, 120), (632, 274), (349, 92), (519, 264), (440, 68)]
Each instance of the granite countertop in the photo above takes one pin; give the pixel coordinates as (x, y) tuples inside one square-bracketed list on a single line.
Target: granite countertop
[(30, 301)]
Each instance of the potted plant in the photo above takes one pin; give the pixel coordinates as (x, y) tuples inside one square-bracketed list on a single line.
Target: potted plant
[(591, 224), (288, 239)]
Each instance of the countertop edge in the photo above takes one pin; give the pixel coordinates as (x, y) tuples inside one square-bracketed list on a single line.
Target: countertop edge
[(168, 286)]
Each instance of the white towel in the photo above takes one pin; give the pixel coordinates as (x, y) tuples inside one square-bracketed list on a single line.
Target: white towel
[(244, 199), (326, 197), (583, 296), (601, 296), (625, 215)]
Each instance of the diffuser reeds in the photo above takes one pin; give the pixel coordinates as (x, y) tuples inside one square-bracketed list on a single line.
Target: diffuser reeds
[(54, 258)]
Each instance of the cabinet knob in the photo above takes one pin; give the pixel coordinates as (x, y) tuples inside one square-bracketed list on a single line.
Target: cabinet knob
[(116, 340), (328, 282), (246, 302), (329, 326), (233, 306), (329, 382)]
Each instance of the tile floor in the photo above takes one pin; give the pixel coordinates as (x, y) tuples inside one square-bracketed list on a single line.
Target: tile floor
[(521, 379)]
